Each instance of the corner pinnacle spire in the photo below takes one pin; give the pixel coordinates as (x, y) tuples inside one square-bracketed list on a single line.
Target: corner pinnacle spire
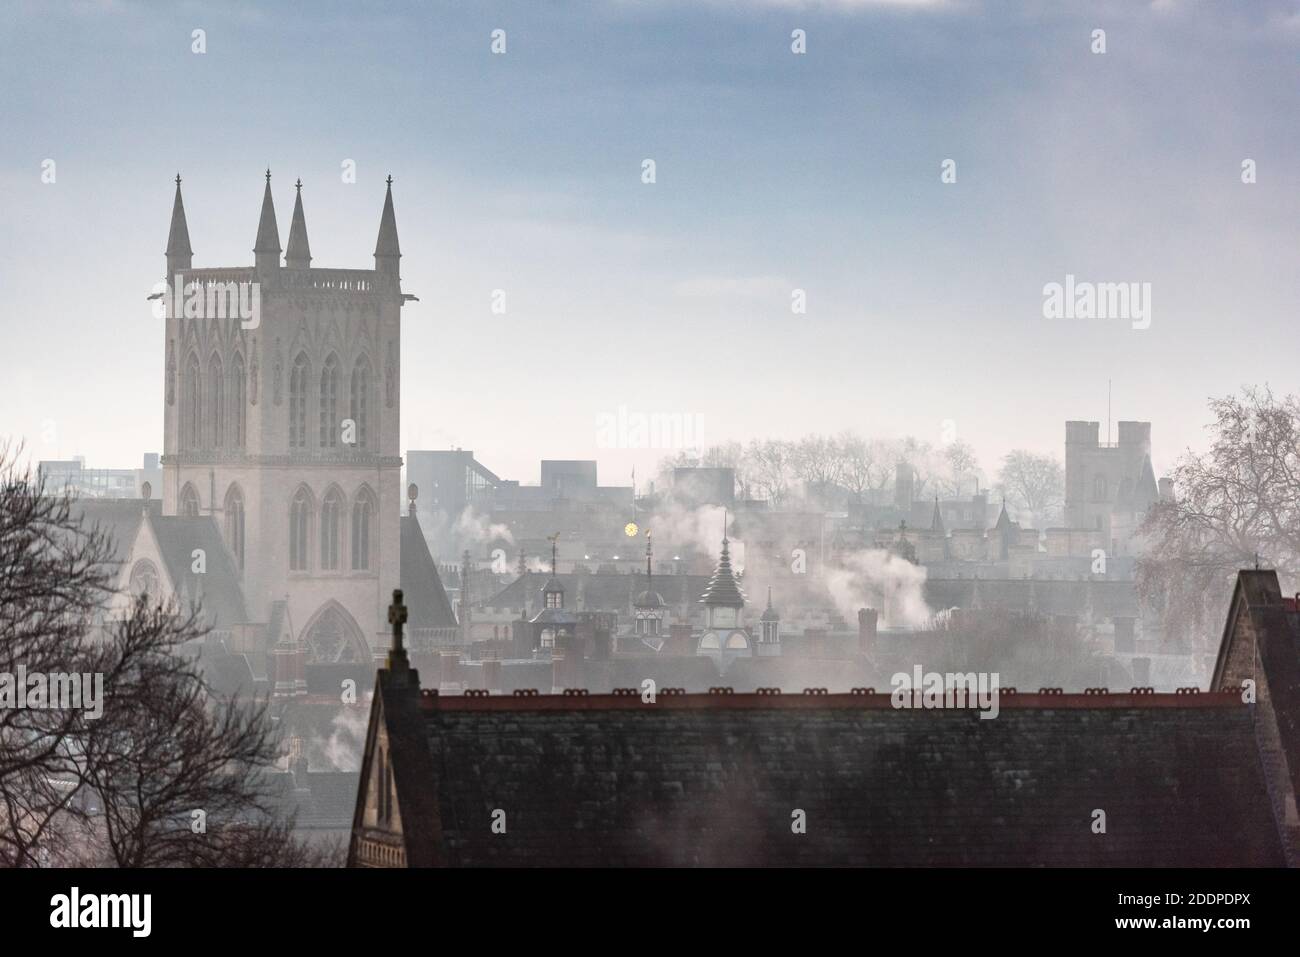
[(387, 248), (298, 253), (179, 253), (266, 251)]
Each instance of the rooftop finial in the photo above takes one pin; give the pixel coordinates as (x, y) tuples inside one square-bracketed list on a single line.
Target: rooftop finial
[(724, 526), (397, 660), (389, 181), (178, 179), (268, 174), (298, 185)]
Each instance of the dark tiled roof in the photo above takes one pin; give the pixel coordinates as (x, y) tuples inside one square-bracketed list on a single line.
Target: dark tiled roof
[(1103, 598), (597, 591), (120, 518), (218, 589), (427, 605), (715, 780)]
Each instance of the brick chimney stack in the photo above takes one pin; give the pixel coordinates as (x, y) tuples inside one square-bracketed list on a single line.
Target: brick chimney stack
[(867, 619)]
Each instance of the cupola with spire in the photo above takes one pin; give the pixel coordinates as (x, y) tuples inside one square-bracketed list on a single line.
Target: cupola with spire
[(553, 625), (649, 607), (266, 251), (723, 591), (724, 638), (298, 253), (179, 254)]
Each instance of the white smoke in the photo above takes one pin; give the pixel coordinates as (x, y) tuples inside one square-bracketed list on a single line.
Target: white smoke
[(878, 579), (700, 529), (341, 751), (473, 528)]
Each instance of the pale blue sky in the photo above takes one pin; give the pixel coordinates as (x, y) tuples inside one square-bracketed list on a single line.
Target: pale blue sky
[(775, 171)]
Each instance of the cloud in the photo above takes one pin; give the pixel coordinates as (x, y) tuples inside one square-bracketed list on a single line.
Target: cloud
[(734, 287)]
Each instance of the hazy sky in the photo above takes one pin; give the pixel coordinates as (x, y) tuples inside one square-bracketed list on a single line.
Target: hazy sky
[(775, 171)]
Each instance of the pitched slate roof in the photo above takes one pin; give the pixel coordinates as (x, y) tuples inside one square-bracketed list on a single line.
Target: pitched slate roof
[(718, 779), (598, 591), (120, 518), (426, 600), (1103, 598), (218, 588)]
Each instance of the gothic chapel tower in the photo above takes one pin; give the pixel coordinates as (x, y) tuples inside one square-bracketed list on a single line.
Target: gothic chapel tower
[(282, 425)]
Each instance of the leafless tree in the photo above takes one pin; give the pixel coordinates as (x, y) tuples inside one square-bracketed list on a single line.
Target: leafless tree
[(161, 749), (1033, 483), (866, 465), (54, 576), (770, 465), (1235, 504)]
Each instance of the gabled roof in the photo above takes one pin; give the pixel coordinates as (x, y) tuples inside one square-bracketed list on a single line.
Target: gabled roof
[(1261, 640), (426, 600), (217, 589), (713, 780)]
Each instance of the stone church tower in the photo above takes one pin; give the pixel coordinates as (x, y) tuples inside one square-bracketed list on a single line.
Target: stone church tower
[(281, 418)]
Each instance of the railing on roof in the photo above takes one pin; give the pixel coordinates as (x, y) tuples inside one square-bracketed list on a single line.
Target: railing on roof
[(328, 280)]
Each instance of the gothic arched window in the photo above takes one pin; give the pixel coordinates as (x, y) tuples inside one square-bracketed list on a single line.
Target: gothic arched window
[(358, 409), (189, 502), (331, 520), (238, 402), (216, 402), (299, 529), (145, 580), (298, 402), (192, 413), (329, 403), (234, 510), (363, 511), (1099, 488)]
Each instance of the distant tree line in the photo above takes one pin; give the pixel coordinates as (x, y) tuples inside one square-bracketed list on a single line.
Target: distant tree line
[(833, 470)]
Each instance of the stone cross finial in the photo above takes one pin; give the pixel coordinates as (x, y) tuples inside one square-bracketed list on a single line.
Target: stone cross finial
[(397, 618)]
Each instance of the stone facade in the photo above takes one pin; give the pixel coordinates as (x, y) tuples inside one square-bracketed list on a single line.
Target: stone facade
[(283, 426)]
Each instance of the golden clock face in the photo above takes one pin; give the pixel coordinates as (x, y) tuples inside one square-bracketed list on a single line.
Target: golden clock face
[(630, 529)]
